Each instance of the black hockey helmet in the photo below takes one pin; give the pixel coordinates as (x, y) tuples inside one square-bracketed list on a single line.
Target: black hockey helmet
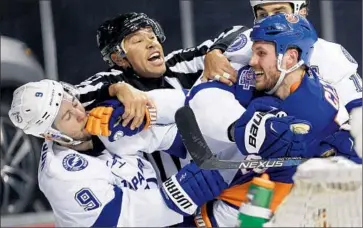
[(111, 32)]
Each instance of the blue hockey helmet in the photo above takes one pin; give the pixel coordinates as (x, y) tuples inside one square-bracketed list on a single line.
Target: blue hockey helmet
[(286, 31)]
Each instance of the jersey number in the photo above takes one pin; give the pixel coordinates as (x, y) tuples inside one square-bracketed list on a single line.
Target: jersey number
[(331, 95), (86, 199), (357, 80)]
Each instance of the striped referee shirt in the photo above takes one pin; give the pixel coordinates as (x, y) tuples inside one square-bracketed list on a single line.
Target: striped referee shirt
[(183, 68)]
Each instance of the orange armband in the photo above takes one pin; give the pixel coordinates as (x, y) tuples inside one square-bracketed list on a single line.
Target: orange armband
[(150, 117)]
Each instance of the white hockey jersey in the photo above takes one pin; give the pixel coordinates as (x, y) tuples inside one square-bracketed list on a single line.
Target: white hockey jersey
[(330, 60), (109, 190), (118, 188)]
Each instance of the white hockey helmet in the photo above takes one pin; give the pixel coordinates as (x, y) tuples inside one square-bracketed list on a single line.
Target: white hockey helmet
[(296, 3), (34, 108)]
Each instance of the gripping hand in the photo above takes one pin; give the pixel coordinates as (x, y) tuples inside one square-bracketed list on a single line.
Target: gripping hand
[(190, 188), (106, 120), (343, 143), (258, 131)]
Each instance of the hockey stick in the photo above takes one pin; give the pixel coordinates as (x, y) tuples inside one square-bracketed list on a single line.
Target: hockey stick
[(202, 155)]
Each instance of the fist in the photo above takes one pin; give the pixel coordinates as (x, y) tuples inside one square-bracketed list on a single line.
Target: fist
[(106, 120), (98, 120)]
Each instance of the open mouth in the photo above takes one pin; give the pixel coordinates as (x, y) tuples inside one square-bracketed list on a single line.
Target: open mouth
[(155, 58), (259, 73)]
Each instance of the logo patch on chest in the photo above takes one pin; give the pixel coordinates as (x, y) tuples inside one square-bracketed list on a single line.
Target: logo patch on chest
[(74, 162)]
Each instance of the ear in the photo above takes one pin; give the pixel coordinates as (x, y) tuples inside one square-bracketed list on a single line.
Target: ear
[(290, 58), (120, 61)]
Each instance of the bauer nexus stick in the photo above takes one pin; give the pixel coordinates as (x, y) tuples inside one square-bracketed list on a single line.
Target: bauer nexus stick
[(202, 155)]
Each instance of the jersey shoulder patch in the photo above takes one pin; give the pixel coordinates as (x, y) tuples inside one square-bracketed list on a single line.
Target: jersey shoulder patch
[(238, 43), (74, 162)]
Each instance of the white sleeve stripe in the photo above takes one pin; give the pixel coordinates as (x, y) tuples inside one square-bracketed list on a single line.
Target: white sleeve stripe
[(187, 66), (90, 88), (206, 43)]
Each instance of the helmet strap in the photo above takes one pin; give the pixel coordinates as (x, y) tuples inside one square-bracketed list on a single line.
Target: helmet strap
[(56, 136), (122, 48), (283, 72)]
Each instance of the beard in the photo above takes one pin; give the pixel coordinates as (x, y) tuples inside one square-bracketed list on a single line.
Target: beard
[(267, 81)]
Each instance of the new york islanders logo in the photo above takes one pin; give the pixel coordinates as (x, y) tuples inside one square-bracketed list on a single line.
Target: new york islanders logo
[(292, 18)]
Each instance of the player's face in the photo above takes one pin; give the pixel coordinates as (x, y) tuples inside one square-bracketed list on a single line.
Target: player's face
[(264, 63), (145, 53), (72, 118), (269, 9)]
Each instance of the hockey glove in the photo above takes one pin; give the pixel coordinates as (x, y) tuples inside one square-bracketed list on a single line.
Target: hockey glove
[(260, 132), (105, 120), (190, 188), (343, 143)]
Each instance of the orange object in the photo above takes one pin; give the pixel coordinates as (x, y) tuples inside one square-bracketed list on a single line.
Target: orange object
[(263, 181), (238, 194), (294, 86), (98, 119), (205, 217), (148, 119)]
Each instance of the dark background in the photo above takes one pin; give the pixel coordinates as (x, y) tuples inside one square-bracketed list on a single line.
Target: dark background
[(76, 21)]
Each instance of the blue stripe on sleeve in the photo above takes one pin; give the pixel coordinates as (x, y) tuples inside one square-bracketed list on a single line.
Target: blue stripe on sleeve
[(111, 212), (353, 104), (177, 148)]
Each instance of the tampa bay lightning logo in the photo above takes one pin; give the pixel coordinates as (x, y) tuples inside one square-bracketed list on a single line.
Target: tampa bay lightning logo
[(74, 162), (238, 43)]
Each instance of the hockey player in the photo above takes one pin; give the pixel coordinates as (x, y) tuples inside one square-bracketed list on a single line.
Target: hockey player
[(117, 189), (344, 79), (236, 46), (281, 52)]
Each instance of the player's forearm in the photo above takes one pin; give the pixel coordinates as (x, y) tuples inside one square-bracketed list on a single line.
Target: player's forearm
[(97, 88), (215, 110), (226, 38), (167, 102)]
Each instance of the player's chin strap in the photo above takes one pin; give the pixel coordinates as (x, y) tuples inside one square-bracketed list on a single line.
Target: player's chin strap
[(56, 136), (283, 73)]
